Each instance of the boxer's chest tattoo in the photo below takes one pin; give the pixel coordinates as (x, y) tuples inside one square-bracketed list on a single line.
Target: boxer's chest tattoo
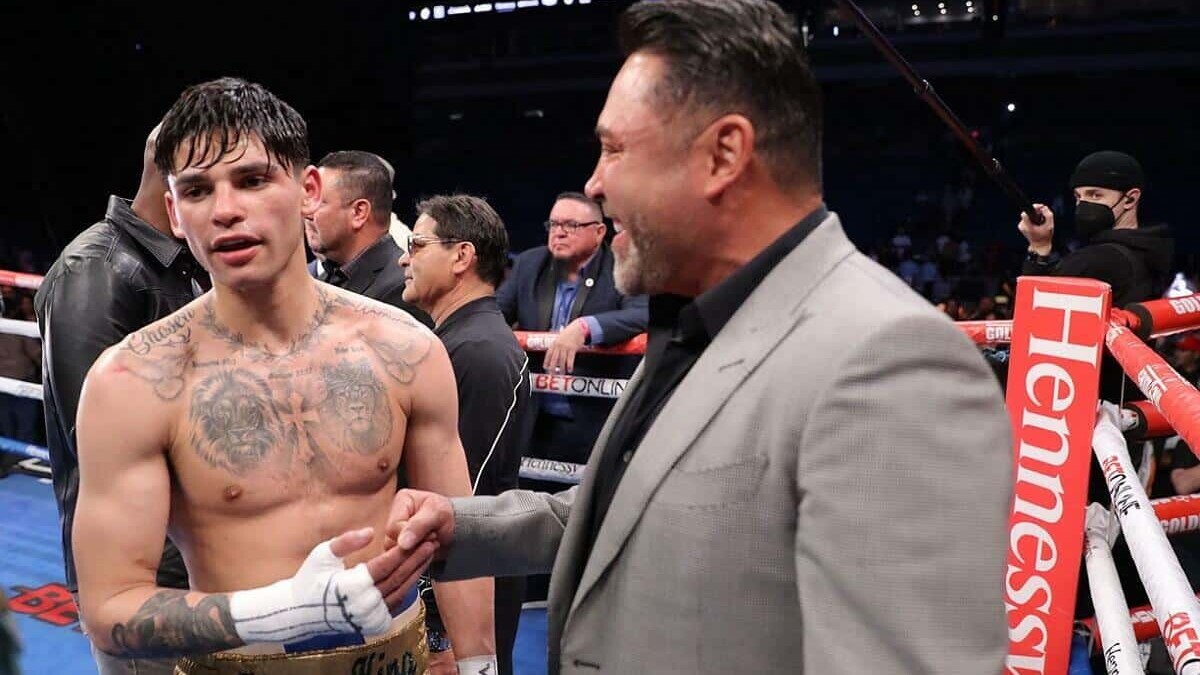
[(241, 419), (304, 407), (234, 421)]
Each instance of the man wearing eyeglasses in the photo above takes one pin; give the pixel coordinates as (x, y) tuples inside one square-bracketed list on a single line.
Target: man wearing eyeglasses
[(349, 229), (567, 287), (453, 262)]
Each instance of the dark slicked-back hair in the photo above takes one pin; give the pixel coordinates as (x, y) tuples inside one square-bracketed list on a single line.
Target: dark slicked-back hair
[(211, 119), (363, 175), (582, 199), (736, 56), (471, 219)]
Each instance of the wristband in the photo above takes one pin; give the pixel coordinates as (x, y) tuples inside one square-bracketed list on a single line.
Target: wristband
[(478, 665), (436, 639), (1048, 259)]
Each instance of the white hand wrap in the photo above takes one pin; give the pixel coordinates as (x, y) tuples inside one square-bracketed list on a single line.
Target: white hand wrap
[(323, 598), (478, 665)]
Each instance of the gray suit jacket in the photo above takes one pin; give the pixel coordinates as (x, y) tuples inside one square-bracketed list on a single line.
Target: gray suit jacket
[(826, 492)]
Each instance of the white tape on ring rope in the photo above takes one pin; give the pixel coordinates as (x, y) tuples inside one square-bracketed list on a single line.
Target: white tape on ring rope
[(576, 385), (1112, 610), (550, 470), (20, 388), (1175, 608), (23, 328)]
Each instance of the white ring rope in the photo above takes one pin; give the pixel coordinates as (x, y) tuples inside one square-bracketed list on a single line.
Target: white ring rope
[(577, 385), (20, 388), (1112, 610), (551, 470), (27, 329), (1175, 608), (531, 467)]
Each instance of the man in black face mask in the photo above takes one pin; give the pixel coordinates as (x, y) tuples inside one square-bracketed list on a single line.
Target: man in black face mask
[(1132, 258), (1113, 247)]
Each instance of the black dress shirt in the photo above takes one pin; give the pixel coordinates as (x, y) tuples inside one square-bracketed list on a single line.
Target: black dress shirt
[(680, 331), (492, 374)]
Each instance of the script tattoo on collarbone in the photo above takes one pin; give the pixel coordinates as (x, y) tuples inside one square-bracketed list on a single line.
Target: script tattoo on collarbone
[(160, 354), (167, 624)]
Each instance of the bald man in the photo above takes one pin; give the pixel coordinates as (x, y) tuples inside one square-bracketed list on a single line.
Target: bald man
[(119, 275)]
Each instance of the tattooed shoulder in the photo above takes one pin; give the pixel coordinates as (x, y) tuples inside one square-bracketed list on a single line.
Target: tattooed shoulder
[(399, 342), (389, 315), (159, 353)]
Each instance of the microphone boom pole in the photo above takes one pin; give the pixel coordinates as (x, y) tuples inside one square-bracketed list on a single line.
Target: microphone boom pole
[(926, 93)]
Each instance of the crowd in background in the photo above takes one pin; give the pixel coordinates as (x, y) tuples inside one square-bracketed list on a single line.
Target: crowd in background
[(969, 279)]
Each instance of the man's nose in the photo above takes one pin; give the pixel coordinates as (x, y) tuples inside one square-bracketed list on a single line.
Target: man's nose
[(227, 208)]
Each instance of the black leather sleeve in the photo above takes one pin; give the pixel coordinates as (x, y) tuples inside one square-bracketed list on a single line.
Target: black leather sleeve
[(88, 309)]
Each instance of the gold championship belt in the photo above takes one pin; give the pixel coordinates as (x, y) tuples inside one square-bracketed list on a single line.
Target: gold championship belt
[(400, 651)]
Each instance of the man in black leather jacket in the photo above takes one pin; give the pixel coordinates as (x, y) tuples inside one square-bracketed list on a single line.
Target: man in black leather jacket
[(120, 274)]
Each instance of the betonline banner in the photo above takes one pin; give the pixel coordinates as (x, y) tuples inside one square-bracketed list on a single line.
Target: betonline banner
[(1053, 384)]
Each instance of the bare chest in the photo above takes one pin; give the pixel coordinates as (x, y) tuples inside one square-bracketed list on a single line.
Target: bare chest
[(266, 431)]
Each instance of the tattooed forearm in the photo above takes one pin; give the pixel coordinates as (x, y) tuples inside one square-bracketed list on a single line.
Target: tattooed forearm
[(234, 420), (356, 407), (400, 354), (167, 625)]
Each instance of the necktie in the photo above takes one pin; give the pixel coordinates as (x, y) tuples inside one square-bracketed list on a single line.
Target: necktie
[(334, 274)]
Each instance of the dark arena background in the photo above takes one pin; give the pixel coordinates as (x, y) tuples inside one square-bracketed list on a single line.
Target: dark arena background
[(499, 99)]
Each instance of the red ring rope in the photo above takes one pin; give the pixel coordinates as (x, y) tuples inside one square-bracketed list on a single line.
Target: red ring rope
[(1174, 396)]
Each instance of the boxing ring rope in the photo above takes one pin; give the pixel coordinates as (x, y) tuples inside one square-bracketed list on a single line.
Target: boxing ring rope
[(531, 467), (1171, 394), (571, 385), (1173, 408), (1175, 607), (1060, 330), (29, 282), (1151, 319), (1118, 642)]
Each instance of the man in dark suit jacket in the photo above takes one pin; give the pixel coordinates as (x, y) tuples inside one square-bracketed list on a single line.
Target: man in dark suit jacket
[(567, 287), (350, 230)]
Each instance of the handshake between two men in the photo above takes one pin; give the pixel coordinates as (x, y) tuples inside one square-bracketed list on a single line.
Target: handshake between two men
[(326, 597)]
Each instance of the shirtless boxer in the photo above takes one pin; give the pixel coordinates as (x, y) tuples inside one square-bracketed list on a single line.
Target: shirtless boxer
[(261, 426)]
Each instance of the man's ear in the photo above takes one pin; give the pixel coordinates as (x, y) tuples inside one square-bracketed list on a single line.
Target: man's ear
[(310, 182), (175, 228), (1133, 196), (464, 257), (728, 147), (360, 214)]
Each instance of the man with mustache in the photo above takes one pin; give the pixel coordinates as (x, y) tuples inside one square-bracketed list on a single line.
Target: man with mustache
[(812, 470), (567, 287)]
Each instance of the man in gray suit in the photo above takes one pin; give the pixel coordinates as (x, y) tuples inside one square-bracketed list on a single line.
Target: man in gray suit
[(811, 471)]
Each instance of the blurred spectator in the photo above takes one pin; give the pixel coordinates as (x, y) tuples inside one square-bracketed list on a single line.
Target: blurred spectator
[(567, 287), (20, 359)]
